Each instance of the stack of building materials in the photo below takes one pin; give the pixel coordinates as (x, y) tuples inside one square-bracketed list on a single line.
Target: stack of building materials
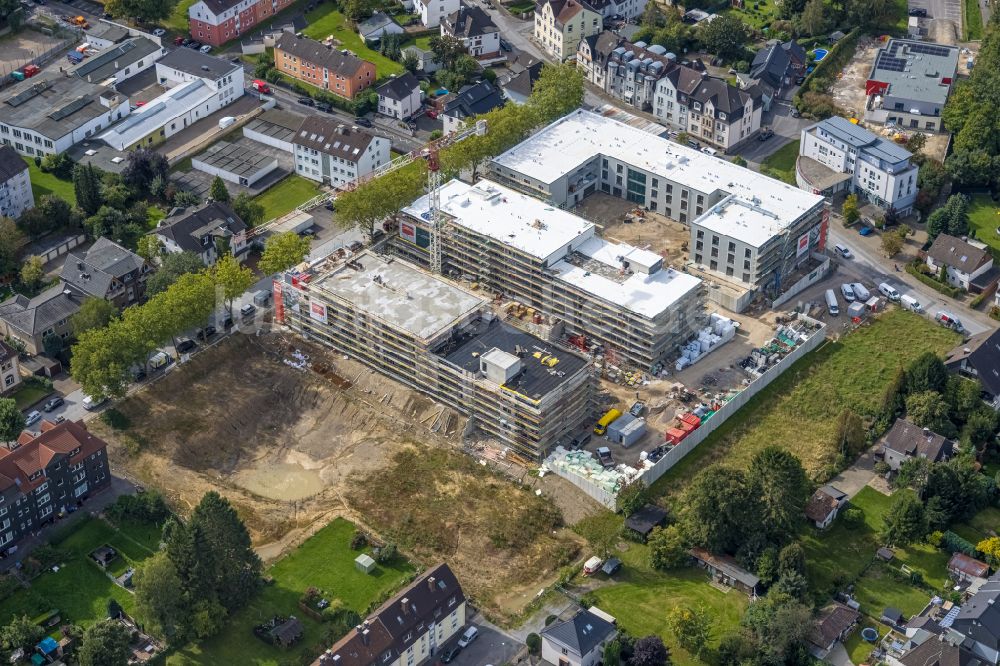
[(719, 331), (582, 469)]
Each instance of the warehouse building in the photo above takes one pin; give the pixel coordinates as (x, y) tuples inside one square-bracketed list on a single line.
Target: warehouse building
[(438, 338), (616, 295), (120, 62), (236, 163)]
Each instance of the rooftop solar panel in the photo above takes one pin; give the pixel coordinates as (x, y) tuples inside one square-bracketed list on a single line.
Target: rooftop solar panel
[(70, 108)]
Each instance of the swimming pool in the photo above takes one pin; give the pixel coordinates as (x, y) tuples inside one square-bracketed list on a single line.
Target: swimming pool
[(820, 54)]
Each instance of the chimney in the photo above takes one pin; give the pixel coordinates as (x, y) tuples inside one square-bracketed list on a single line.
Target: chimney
[(927, 432), (430, 583), (116, 64), (364, 637), (405, 603)]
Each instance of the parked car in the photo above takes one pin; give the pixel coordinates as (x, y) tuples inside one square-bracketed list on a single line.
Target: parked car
[(227, 321), (138, 374), (179, 41), (917, 11), (158, 360), (91, 403), (470, 635), (363, 122), (193, 44), (205, 48), (847, 291), (205, 333), (765, 134), (52, 403), (832, 306), (911, 303), (605, 458), (637, 408), (799, 81), (843, 251), (505, 45), (448, 656), (184, 345), (324, 107), (860, 292), (329, 206), (865, 230), (248, 310), (888, 291), (33, 417), (159, 32), (306, 101), (795, 113)]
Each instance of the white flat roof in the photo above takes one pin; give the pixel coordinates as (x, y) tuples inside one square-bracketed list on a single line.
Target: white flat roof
[(527, 224), (404, 296), (741, 221), (578, 137), (646, 295), (157, 113)]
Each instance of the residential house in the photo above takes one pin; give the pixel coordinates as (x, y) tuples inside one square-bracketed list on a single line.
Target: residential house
[(216, 22), (779, 64), (965, 568), (202, 230), (15, 184), (978, 622), (836, 155), (940, 651), (628, 9), (42, 475), (477, 32), (833, 624), (979, 358), (525, 71), (471, 101), (407, 629), (432, 12), (561, 24), (966, 266), (379, 24), (910, 83), (426, 61), (107, 271), (907, 440), (332, 153), (578, 641), (322, 66), (10, 368), (823, 506), (646, 519), (51, 112), (31, 320), (399, 97), (726, 571), (197, 85)]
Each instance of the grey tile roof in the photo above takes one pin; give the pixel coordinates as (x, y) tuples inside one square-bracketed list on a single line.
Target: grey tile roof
[(474, 100), (979, 618), (524, 82), (105, 262), (910, 439), (332, 137), (468, 22), (375, 22), (580, 634), (958, 254), (863, 140), (110, 61), (318, 54), (187, 226), (399, 87), (53, 104), (11, 163), (35, 315), (938, 652), (982, 352), (195, 63)]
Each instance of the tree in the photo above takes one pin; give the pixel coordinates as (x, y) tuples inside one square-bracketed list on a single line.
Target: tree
[(649, 651), (926, 373), (850, 209), (104, 644), (32, 272), (990, 547), (776, 627), (93, 313), (146, 10), (791, 559), (410, 62), (22, 633), (172, 266), (11, 420), (717, 509), (115, 609), (159, 597), (632, 497), (667, 548), (218, 191), (447, 50), (183, 199), (558, 91), (149, 247), (739, 160), (11, 240), (144, 164), (928, 409), (952, 218), (891, 244), (916, 142), (52, 344), (233, 277), (778, 481), (725, 36), (249, 210), (87, 187), (813, 18), (691, 626), (914, 473), (460, 73), (904, 522), (283, 251), (850, 433)]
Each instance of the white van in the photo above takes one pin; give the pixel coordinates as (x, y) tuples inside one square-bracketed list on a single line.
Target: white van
[(90, 404), (158, 360), (888, 291), (710, 151), (226, 122), (847, 290), (843, 251), (911, 303), (831, 303), (470, 635), (860, 292)]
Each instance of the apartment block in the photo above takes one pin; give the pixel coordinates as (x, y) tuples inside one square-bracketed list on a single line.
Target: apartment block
[(42, 475), (836, 155), (432, 12), (216, 22), (330, 152), (477, 32), (15, 184), (910, 83), (551, 260), (561, 24), (438, 338), (322, 66)]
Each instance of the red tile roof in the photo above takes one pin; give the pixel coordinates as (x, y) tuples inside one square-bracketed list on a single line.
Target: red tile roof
[(34, 454)]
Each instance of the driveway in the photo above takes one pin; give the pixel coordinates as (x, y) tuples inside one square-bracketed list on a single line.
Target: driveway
[(941, 9), (491, 647), (786, 129), (857, 476)]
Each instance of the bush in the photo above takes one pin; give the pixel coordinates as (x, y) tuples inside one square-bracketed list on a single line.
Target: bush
[(550, 619), (115, 419), (43, 383), (978, 300), (147, 507), (915, 270), (359, 540), (131, 444), (534, 643), (882, 468), (853, 517), (934, 538), (952, 543), (386, 553)]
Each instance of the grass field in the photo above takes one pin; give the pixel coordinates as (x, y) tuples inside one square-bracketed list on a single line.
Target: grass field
[(984, 218), (286, 195), (642, 596), (178, 19), (45, 183), (761, 17), (982, 525), (80, 589), (782, 162), (972, 20), (324, 22), (325, 561), (29, 395), (798, 410)]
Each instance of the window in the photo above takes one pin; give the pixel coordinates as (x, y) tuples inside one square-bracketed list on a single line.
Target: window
[(746, 253)]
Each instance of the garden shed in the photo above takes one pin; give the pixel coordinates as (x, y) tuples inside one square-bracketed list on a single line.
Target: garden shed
[(288, 632), (364, 563)]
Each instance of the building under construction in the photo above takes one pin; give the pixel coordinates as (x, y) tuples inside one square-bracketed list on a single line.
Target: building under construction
[(550, 260), (445, 341)]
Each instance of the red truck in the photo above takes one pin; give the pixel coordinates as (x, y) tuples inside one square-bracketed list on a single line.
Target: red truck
[(261, 87), (31, 70)]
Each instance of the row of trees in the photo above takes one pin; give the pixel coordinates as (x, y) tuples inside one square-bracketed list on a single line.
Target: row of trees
[(105, 643)]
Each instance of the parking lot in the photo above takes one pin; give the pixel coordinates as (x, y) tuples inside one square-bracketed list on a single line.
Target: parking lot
[(490, 648)]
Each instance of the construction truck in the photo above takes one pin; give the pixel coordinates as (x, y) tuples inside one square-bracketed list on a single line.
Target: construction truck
[(610, 417)]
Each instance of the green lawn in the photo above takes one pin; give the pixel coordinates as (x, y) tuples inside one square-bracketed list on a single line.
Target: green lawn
[(642, 596), (324, 22), (80, 589), (178, 19), (286, 195), (29, 395), (798, 410), (325, 561), (879, 589), (972, 20), (46, 183), (982, 525), (760, 18), (782, 162), (984, 218)]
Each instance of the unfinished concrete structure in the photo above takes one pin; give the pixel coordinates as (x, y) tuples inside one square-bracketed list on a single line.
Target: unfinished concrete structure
[(553, 261), (445, 341)]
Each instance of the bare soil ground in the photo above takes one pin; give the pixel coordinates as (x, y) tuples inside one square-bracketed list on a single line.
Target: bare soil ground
[(292, 449), (849, 91), (667, 238)]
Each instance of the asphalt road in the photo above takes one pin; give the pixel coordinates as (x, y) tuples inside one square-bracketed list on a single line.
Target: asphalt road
[(940, 9), (786, 129)]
